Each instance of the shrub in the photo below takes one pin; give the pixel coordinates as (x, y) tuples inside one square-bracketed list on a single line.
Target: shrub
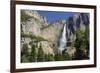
[(24, 16)]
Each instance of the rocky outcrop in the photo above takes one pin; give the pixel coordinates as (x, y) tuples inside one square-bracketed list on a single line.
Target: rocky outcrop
[(36, 28), (53, 32), (80, 20), (34, 23)]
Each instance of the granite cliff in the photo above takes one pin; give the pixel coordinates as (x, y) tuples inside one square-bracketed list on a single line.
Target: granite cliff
[(36, 31)]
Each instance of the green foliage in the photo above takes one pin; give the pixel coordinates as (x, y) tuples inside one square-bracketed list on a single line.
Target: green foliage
[(40, 54), (58, 57), (24, 16), (36, 38), (24, 59), (24, 49), (24, 53), (82, 44), (37, 54), (33, 56), (66, 56), (49, 57)]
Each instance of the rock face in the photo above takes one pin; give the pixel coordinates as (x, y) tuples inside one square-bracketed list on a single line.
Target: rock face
[(77, 21), (53, 31), (35, 29), (37, 25), (34, 23)]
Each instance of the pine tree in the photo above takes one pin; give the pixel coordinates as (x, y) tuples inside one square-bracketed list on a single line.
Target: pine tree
[(33, 56), (66, 56), (58, 57), (49, 57), (82, 44), (41, 55), (24, 53)]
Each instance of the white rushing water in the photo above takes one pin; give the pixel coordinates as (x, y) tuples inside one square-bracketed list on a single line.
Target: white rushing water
[(63, 39)]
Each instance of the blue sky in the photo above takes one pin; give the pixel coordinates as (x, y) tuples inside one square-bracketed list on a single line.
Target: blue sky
[(53, 15)]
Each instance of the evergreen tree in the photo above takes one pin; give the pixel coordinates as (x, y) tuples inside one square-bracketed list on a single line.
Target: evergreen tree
[(41, 54), (82, 44), (24, 53), (49, 57), (24, 16), (66, 56), (58, 57), (33, 56)]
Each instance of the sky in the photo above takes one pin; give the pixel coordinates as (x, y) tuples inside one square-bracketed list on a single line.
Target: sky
[(55, 15)]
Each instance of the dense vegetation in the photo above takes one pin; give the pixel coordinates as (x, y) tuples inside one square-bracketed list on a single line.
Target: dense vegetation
[(24, 16), (82, 44), (37, 54)]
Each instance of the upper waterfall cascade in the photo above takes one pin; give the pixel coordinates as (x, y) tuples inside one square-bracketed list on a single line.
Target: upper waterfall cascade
[(63, 39)]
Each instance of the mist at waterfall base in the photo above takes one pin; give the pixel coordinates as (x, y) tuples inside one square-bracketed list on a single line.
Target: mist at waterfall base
[(63, 39)]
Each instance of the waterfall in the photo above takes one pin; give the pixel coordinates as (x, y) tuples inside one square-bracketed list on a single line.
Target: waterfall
[(63, 39)]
